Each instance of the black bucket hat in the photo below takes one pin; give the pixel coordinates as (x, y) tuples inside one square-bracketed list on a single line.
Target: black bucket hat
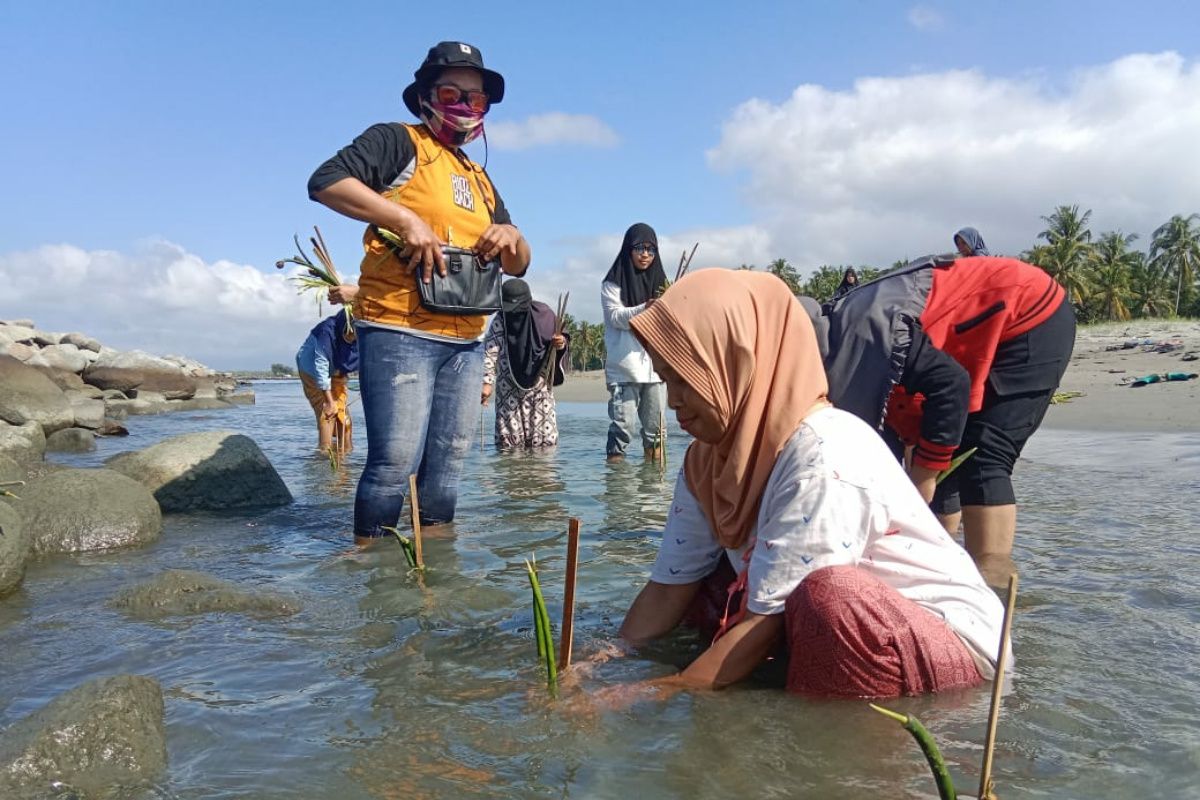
[(452, 54)]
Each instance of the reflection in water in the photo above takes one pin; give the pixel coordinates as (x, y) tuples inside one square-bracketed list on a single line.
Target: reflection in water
[(382, 688)]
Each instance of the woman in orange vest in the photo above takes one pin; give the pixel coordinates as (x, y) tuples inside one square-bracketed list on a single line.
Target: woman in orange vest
[(944, 355), (420, 370)]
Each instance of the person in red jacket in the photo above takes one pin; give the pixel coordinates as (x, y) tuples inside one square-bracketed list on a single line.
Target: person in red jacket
[(947, 354)]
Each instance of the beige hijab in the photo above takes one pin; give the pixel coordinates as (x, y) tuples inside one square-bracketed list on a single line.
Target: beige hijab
[(745, 345)]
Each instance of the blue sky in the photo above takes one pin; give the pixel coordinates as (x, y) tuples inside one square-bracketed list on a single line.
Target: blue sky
[(157, 153)]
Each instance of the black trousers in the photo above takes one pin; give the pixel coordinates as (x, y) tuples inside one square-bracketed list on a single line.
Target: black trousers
[(1024, 376)]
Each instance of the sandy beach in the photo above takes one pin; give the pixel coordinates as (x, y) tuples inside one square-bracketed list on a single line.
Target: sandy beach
[(1096, 371)]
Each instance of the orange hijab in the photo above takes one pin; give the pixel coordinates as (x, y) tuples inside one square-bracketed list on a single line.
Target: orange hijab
[(747, 347)]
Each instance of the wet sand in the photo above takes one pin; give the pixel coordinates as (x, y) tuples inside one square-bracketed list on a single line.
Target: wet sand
[(1094, 370)]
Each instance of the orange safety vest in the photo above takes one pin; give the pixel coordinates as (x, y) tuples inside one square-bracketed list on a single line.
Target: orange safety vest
[(455, 198)]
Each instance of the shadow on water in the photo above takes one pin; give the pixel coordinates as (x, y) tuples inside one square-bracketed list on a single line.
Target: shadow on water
[(382, 686)]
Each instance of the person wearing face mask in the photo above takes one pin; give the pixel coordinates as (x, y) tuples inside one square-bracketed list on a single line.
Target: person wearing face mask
[(420, 370), (635, 392)]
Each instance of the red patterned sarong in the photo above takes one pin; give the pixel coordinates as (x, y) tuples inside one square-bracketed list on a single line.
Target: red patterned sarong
[(851, 635)]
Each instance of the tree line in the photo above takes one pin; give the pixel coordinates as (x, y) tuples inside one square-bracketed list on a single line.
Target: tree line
[(1106, 277)]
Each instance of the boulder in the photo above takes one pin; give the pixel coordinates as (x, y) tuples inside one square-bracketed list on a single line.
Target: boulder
[(45, 339), (19, 350), (89, 413), (71, 440), (80, 510), (198, 404), (66, 357), (184, 592), (15, 548), (16, 332), (67, 381), (22, 442), (113, 394), (10, 470), (87, 390), (26, 395), (137, 370), (102, 736), (243, 398), (191, 366), (112, 428), (208, 470), (82, 341)]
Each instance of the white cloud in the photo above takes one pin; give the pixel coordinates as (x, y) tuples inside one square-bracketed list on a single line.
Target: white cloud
[(161, 299), (924, 18), (552, 128), (893, 166)]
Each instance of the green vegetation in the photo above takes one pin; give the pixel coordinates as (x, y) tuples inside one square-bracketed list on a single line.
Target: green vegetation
[(283, 371), (541, 627), (937, 764), (1106, 277)]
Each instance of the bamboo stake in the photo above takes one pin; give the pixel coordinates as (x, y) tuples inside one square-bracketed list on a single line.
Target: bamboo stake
[(416, 520), (662, 441), (985, 775), (685, 265), (567, 632)]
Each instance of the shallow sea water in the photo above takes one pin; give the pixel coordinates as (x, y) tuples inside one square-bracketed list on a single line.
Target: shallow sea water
[(382, 688)]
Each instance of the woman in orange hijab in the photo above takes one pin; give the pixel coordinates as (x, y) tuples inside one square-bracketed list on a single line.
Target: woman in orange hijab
[(837, 553)]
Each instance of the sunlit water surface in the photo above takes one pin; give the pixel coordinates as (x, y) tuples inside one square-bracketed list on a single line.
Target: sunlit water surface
[(380, 688)]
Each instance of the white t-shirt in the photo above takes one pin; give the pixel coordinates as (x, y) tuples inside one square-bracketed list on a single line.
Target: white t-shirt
[(838, 496)]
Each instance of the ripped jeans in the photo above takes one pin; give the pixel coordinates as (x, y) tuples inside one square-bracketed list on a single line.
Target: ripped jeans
[(420, 399)]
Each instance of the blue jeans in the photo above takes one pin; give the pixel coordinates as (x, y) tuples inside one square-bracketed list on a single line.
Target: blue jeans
[(629, 403), (420, 398)]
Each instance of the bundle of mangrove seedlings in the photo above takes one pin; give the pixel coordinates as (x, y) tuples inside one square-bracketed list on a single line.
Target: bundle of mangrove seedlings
[(316, 277), (541, 627)]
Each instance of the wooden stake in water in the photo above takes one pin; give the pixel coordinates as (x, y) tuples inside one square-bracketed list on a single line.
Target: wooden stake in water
[(416, 520), (985, 775), (662, 441), (568, 619)]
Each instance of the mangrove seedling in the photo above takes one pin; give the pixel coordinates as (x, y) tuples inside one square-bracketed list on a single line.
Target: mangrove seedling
[(929, 747), (406, 545), (541, 627), (955, 464), (4, 492)]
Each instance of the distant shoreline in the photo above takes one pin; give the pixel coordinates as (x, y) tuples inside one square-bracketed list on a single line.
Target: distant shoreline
[(1105, 405)]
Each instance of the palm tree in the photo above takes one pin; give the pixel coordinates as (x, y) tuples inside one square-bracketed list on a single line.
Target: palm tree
[(1151, 294), (781, 269), (1067, 251), (1112, 265), (1175, 251)]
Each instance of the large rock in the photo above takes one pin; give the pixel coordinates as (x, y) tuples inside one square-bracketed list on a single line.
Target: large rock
[(10, 469), (19, 350), (179, 592), (22, 442), (26, 395), (208, 470), (79, 510), (66, 357), (15, 548), (106, 734), (89, 413), (82, 341), (15, 332), (71, 440), (191, 366), (137, 370), (67, 381)]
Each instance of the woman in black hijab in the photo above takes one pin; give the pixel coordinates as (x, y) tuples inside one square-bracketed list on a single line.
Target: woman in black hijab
[(634, 280), (520, 344)]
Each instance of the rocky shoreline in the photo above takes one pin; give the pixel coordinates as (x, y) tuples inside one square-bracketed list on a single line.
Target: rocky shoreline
[(57, 393)]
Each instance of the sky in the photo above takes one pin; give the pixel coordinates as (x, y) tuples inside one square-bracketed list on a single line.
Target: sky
[(156, 153)]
